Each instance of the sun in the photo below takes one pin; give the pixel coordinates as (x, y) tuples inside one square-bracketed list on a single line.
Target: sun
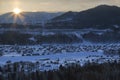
[(16, 10)]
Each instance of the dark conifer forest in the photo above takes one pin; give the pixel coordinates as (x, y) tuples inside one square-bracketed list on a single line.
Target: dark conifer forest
[(90, 71)]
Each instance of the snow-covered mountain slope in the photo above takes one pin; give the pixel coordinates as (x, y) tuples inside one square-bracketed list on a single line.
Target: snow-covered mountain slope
[(36, 18)]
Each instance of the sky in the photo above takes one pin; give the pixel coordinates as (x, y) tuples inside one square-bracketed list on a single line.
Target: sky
[(52, 5)]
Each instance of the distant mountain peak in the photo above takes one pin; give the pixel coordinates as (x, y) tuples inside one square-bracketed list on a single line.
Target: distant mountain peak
[(107, 6), (100, 16), (31, 18)]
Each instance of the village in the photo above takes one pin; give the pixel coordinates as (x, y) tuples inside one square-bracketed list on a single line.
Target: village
[(37, 50)]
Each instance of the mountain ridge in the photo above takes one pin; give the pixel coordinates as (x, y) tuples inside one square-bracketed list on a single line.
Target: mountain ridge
[(28, 17), (103, 15)]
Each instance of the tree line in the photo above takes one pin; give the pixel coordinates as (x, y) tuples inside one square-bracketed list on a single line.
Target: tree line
[(90, 71)]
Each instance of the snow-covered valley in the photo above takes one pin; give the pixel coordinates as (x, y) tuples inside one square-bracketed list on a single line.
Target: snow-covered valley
[(52, 56), (56, 45)]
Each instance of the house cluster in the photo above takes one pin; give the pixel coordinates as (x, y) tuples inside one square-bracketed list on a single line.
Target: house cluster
[(53, 49)]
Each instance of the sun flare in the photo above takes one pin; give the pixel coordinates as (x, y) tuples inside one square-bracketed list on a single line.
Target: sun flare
[(16, 10)]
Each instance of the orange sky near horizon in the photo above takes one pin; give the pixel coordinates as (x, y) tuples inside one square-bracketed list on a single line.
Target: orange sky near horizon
[(52, 5)]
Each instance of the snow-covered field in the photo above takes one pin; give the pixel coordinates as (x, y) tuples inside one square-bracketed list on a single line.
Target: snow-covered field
[(52, 56), (53, 61), (52, 31)]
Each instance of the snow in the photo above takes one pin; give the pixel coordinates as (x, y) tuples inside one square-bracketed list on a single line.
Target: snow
[(12, 54), (32, 39), (48, 61), (100, 51), (51, 56)]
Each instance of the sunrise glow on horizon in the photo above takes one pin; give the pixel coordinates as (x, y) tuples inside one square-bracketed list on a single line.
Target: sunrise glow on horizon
[(52, 5), (16, 11)]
